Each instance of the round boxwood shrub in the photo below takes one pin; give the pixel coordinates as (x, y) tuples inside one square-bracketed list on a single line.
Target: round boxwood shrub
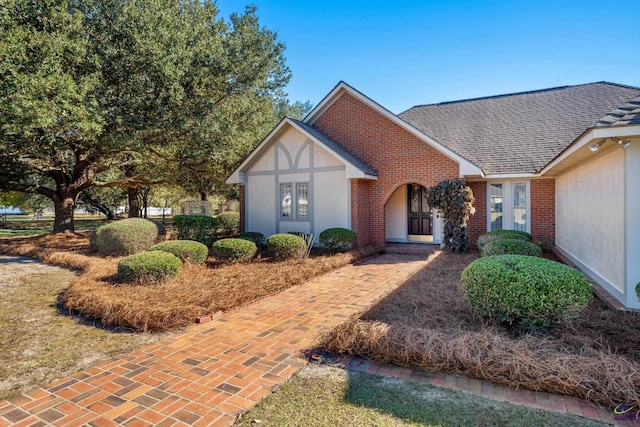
[(511, 246), (233, 249), (229, 221), (148, 267), (335, 240), (252, 236), (187, 250), (124, 237), (524, 291), (285, 246), (502, 234)]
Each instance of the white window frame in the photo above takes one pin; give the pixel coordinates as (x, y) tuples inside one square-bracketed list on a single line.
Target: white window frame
[(295, 202), (508, 190)]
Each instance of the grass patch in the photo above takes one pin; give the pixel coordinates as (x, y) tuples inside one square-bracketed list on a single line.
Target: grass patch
[(37, 343), (429, 323), (196, 291), (323, 396)]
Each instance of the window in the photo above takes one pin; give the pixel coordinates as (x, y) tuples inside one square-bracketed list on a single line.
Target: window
[(508, 206), (294, 205)]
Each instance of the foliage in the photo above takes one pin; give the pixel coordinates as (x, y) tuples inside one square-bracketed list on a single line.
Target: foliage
[(187, 250), (124, 237), (252, 236), (148, 267), (104, 200), (524, 291), (454, 199), (308, 241), (90, 86), (335, 240), (284, 246), (511, 246), (200, 228), (502, 234), (234, 249), (229, 222)]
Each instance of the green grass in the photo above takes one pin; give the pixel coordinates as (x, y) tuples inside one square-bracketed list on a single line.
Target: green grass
[(320, 396), (37, 343)]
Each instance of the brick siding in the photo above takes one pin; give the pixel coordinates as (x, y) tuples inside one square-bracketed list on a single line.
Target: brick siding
[(477, 224), (398, 156), (241, 196), (543, 211)]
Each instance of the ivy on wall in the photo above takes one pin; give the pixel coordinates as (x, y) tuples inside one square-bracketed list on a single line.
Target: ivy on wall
[(454, 199)]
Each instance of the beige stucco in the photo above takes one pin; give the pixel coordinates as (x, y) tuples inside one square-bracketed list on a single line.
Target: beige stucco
[(590, 218), (632, 163)]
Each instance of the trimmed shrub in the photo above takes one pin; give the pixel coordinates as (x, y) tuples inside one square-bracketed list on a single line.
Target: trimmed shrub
[(502, 234), (252, 236), (285, 246), (187, 250), (124, 237), (233, 249), (511, 246), (523, 291), (229, 222), (149, 267), (335, 240), (200, 228)]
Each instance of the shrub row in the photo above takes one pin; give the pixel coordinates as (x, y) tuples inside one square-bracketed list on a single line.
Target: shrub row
[(200, 228), (502, 234)]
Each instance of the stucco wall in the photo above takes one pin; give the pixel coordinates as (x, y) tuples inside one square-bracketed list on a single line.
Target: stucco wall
[(395, 216), (632, 154), (590, 218), (294, 158)]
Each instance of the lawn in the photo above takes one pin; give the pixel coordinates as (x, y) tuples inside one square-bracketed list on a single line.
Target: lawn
[(27, 225), (37, 343), (429, 323), (196, 292), (326, 396)]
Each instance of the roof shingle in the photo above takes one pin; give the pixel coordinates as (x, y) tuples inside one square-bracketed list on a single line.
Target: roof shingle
[(523, 132)]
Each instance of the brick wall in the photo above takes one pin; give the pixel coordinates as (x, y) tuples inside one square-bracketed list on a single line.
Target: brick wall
[(477, 224), (241, 195), (543, 211), (397, 155)]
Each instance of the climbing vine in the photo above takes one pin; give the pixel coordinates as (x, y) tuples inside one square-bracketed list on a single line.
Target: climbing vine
[(454, 199)]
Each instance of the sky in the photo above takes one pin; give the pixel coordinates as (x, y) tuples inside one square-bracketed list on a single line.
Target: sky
[(405, 53)]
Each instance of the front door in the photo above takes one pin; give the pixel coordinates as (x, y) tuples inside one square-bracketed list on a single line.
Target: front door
[(420, 221)]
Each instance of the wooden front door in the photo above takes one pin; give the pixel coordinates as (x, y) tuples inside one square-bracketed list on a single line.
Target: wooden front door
[(420, 221)]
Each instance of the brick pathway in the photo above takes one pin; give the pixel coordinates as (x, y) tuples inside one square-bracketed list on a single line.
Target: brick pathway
[(215, 371)]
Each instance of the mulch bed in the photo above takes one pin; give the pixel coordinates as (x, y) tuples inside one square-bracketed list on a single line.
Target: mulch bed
[(429, 323), (198, 291)]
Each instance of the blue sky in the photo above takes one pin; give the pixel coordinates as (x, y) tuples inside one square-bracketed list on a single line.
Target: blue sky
[(404, 53)]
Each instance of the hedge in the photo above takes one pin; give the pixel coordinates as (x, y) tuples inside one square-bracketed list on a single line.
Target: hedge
[(200, 228), (148, 267), (233, 249), (335, 240), (124, 237), (285, 246), (524, 291), (502, 234), (187, 250), (229, 222), (511, 246), (252, 236)]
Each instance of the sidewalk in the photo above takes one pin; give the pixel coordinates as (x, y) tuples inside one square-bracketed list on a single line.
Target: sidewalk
[(215, 371)]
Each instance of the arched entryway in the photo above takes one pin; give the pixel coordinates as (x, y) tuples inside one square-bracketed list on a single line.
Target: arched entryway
[(409, 218)]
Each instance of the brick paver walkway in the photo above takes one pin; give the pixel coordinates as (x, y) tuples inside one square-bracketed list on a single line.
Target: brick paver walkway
[(215, 371)]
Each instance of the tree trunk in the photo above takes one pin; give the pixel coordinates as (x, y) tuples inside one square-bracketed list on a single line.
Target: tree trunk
[(64, 207), (134, 203), (203, 196)]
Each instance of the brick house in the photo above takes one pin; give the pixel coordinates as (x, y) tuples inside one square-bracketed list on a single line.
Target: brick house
[(560, 163)]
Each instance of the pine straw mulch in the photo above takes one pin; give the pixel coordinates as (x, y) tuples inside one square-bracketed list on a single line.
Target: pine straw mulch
[(428, 323), (197, 291)]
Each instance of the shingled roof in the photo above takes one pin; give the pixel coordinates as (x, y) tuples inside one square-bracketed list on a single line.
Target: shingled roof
[(523, 132)]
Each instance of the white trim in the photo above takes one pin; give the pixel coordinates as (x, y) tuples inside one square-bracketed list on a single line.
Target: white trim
[(465, 166), (238, 177), (590, 135), (511, 176)]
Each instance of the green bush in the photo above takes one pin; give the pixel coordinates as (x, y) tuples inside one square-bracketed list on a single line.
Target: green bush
[(233, 249), (252, 236), (502, 234), (200, 228), (229, 222), (335, 240), (511, 246), (285, 246), (187, 250), (148, 267), (124, 237), (524, 291), (454, 200)]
